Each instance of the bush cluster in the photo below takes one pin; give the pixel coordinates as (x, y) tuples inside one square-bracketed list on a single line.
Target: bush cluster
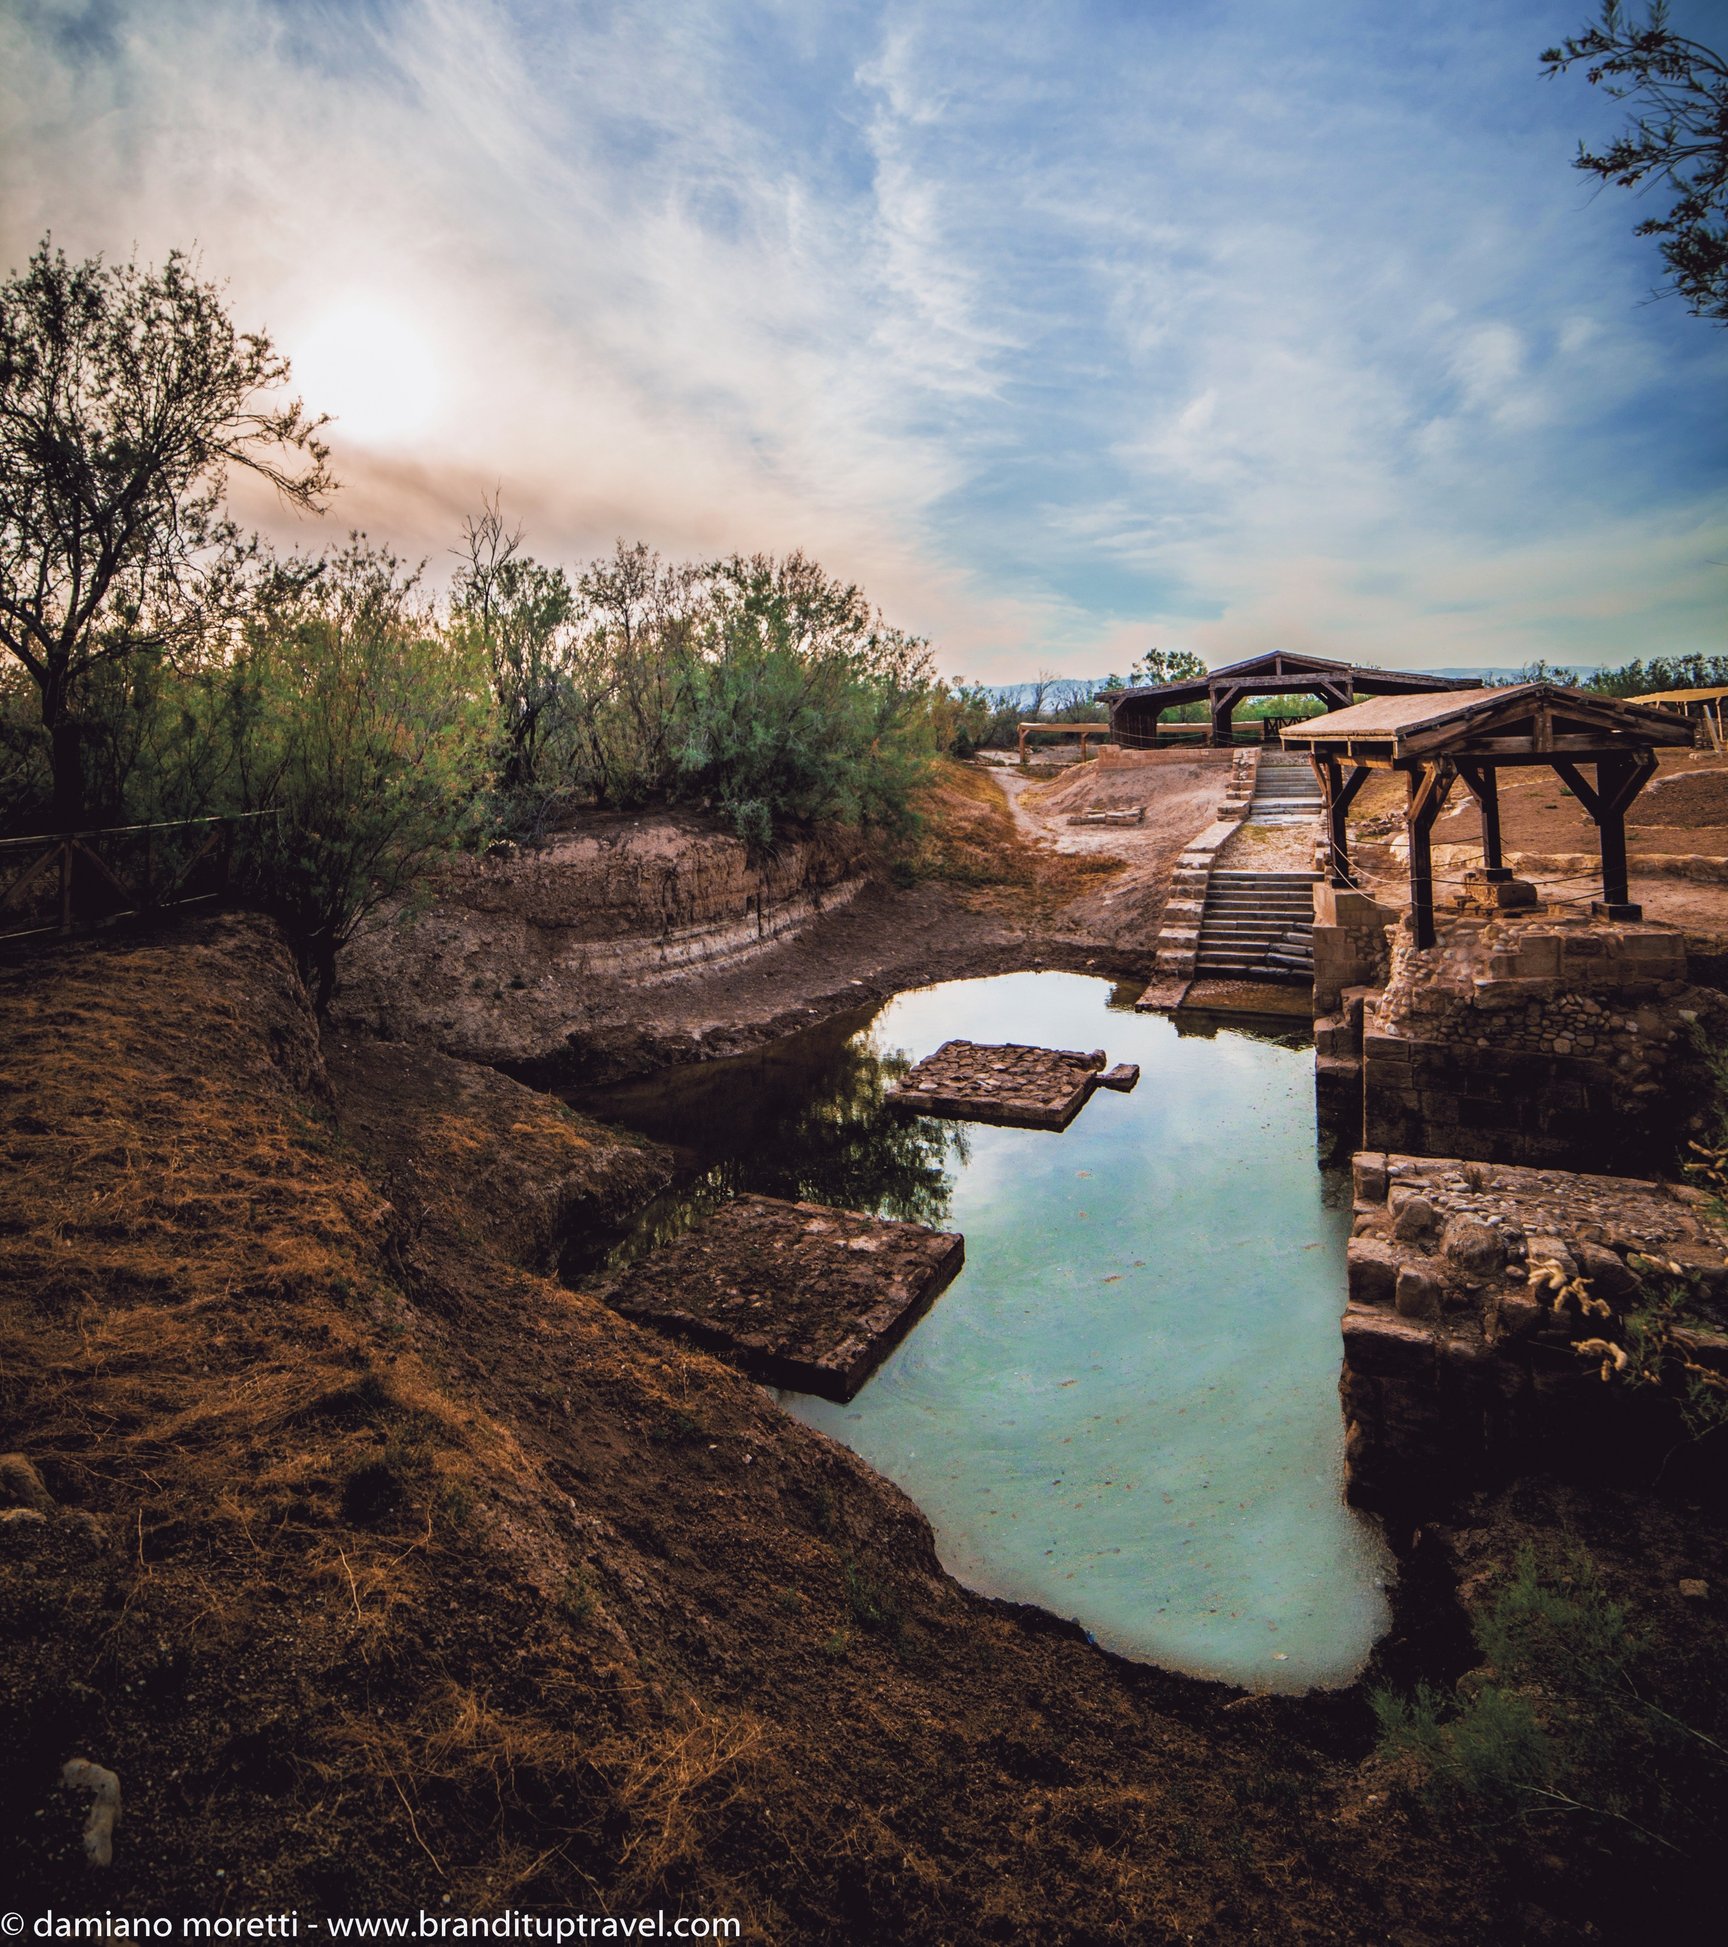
[(384, 727)]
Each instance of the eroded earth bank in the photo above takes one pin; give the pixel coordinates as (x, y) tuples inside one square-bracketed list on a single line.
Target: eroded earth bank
[(390, 1573)]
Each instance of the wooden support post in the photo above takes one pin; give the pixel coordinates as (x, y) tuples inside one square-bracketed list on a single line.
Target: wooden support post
[(65, 885), (1484, 787), (1339, 793), (1619, 779), (1223, 708), (1428, 793), (1611, 833)]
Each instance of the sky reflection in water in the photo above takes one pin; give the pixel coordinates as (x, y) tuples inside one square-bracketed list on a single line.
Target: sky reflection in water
[(1125, 1408)]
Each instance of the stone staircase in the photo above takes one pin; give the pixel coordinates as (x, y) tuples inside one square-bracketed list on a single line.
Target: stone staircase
[(1286, 791), (1257, 926)]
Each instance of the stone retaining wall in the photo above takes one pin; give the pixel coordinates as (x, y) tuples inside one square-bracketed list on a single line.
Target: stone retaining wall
[(1460, 1361), (1566, 1041)]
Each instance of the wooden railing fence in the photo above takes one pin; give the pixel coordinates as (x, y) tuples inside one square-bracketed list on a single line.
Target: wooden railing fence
[(62, 882)]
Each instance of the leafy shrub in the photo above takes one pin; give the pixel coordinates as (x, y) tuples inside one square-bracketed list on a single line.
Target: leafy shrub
[(1575, 1721), (366, 725)]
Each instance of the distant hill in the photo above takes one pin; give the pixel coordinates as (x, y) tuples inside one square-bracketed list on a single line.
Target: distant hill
[(1500, 673)]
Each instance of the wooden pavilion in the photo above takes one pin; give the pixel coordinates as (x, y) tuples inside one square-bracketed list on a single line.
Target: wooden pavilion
[(1134, 713), (1470, 735), (1702, 705)]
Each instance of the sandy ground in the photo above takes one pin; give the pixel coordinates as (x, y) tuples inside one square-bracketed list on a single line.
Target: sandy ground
[(1681, 815)]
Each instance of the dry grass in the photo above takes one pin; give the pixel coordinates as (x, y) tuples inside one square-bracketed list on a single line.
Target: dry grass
[(401, 1573), (970, 839)]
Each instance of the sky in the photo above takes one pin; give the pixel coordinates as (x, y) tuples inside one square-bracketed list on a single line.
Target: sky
[(1063, 329)]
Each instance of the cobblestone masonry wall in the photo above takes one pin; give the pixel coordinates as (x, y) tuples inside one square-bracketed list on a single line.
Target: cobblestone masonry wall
[(1559, 1040), (1459, 1366)]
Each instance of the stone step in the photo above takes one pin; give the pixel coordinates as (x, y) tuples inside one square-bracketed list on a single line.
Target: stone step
[(1246, 932), (1260, 921), (1231, 875), (1258, 916), (1250, 929), (1285, 900)]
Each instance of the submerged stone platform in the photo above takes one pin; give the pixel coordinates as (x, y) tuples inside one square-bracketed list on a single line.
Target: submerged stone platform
[(1025, 1088), (793, 1293)]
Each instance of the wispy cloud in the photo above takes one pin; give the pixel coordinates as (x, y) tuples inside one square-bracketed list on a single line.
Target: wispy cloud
[(1063, 331)]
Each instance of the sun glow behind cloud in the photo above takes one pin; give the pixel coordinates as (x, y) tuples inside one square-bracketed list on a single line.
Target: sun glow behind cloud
[(371, 367), (1062, 333)]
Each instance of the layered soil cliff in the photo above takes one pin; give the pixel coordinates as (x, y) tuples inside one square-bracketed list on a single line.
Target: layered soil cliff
[(641, 940)]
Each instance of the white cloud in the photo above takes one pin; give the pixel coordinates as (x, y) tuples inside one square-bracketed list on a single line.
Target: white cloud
[(1060, 336)]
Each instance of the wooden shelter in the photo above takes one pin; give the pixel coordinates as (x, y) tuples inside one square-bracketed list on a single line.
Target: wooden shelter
[(1470, 735), (1702, 705), (1134, 713)]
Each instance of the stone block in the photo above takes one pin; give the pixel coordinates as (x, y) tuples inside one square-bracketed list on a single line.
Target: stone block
[(1607, 1273), (1473, 1248), (1380, 1345), (793, 1293), (1368, 1175), (1373, 1271), (1414, 1220), (1024, 1087), (1417, 1293), (1518, 1315)]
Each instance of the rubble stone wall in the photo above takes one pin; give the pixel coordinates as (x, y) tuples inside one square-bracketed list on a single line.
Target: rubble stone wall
[(1461, 1366), (1560, 1040)]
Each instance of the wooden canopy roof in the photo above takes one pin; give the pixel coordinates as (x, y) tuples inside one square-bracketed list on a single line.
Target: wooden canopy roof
[(1680, 698), (1284, 669), (1467, 737), (1525, 721)]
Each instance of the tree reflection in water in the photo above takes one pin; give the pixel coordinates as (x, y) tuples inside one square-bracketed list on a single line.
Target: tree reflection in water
[(803, 1118)]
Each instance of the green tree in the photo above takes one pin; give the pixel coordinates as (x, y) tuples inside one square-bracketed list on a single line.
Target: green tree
[(367, 725), (520, 616), (1168, 666), (126, 395), (634, 678), (1678, 137), (805, 705)]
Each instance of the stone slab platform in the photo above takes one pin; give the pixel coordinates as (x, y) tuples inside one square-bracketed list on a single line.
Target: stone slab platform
[(1025, 1088), (1121, 815), (792, 1293)]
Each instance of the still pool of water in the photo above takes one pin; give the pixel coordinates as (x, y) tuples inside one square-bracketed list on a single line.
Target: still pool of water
[(1125, 1408)]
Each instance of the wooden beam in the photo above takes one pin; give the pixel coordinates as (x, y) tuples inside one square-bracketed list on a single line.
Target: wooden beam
[(1428, 794), (1485, 789), (33, 870)]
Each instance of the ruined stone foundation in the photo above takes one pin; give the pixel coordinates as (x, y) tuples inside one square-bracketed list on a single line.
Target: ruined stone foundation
[(1472, 1287), (1557, 1038)]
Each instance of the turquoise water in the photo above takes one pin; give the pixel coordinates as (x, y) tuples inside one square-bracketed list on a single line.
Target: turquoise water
[(1125, 1408)]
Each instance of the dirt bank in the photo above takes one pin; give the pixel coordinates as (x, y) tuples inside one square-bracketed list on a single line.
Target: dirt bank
[(985, 890), (388, 1574)]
